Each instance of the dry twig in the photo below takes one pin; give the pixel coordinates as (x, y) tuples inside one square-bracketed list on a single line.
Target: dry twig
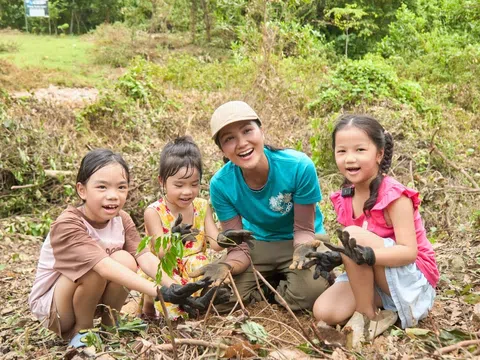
[(450, 163)]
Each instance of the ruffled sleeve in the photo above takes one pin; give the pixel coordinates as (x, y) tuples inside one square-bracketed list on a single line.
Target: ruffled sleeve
[(393, 190), (339, 205)]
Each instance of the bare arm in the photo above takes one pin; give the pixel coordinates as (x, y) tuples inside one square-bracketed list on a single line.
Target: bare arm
[(236, 256), (211, 230), (148, 262), (112, 270), (154, 227), (405, 250)]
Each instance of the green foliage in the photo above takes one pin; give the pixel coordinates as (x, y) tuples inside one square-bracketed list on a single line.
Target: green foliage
[(321, 144), (28, 226), (367, 81), (138, 81), (351, 18), (255, 332), (299, 40), (172, 247)]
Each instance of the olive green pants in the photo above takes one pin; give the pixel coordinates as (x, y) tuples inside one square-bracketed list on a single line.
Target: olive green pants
[(298, 288)]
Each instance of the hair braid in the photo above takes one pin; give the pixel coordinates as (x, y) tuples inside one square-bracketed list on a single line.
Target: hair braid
[(382, 172), (387, 154)]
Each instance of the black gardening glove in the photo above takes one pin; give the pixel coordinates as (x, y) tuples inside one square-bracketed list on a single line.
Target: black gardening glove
[(200, 304), (181, 294), (300, 251), (216, 272), (185, 230), (358, 253), (231, 238), (324, 261)]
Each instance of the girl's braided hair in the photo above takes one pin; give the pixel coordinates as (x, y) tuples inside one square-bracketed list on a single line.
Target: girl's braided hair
[(382, 139)]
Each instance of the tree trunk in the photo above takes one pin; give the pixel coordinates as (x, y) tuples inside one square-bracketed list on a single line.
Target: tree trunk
[(207, 19), (346, 42), (71, 22), (193, 20)]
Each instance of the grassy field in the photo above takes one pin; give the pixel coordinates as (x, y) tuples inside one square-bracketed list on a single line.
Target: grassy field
[(66, 61)]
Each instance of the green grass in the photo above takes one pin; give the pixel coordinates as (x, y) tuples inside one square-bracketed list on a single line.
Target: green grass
[(67, 60)]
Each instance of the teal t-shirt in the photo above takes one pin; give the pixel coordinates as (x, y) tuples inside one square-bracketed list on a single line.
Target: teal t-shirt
[(268, 212)]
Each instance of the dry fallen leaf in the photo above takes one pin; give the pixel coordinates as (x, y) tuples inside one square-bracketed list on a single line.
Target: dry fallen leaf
[(329, 335), (241, 349)]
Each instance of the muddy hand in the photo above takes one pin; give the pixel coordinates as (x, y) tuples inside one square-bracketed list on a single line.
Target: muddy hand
[(185, 230), (324, 261), (216, 272), (300, 251), (231, 238), (358, 253)]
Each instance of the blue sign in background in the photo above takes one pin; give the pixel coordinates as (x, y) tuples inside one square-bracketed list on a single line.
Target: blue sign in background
[(36, 8)]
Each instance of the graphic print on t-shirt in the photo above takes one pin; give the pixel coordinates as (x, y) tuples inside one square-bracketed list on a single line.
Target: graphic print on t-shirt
[(281, 203)]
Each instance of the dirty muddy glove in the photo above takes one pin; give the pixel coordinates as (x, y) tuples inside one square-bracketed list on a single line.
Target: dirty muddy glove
[(358, 253), (181, 294), (223, 295), (231, 238), (201, 303), (185, 230), (216, 272), (300, 251), (324, 261), (191, 311)]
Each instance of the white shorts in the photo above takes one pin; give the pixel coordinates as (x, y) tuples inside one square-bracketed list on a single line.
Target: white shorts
[(412, 295)]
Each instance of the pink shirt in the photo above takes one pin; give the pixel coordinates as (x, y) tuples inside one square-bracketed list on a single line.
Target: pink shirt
[(390, 190)]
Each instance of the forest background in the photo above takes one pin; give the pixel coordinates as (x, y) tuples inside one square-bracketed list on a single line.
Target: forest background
[(132, 74)]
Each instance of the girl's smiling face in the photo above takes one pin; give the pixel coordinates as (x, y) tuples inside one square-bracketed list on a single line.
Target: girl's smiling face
[(242, 143), (356, 155), (105, 193), (182, 188)]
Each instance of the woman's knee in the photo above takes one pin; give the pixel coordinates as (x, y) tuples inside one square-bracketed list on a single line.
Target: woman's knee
[(125, 259)]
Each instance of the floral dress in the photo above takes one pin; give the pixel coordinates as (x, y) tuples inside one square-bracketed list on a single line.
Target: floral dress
[(194, 256)]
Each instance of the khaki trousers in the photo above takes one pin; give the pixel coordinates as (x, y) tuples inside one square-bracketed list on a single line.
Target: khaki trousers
[(299, 289)]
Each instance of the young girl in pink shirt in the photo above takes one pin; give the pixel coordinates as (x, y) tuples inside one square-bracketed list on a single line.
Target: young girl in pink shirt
[(90, 256), (388, 259)]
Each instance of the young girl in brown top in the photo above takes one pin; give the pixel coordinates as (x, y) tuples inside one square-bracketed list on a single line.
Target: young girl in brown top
[(89, 256)]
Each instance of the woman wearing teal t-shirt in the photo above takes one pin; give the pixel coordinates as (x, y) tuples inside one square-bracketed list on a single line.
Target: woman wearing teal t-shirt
[(271, 193)]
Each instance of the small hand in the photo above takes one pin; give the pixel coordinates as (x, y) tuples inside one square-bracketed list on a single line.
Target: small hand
[(300, 251), (185, 230), (178, 294), (358, 253), (216, 272), (324, 261), (231, 238)]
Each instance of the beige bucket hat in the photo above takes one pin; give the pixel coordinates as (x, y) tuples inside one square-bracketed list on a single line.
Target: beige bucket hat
[(231, 112)]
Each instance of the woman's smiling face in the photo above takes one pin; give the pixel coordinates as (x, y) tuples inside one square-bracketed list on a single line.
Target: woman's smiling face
[(242, 143)]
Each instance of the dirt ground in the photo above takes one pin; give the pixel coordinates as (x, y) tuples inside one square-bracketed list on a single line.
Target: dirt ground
[(454, 319)]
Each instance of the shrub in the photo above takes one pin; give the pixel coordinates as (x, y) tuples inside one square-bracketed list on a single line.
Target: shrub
[(365, 81), (8, 46), (138, 81)]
